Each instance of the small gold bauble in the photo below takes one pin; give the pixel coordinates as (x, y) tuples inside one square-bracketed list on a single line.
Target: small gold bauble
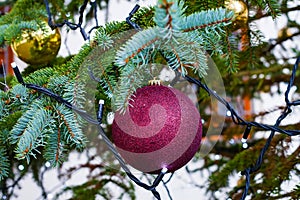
[(284, 33), (37, 47), (240, 10)]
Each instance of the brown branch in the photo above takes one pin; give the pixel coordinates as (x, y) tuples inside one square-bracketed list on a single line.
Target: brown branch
[(280, 41), (139, 50), (259, 71), (66, 123), (58, 142), (283, 10), (207, 25), (281, 196)]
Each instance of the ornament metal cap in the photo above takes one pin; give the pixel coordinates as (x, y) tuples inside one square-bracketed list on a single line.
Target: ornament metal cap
[(154, 81)]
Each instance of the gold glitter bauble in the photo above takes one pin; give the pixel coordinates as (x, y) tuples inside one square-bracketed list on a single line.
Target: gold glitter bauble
[(240, 10), (37, 47)]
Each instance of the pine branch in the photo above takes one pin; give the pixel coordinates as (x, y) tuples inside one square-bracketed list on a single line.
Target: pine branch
[(103, 39), (4, 163), (55, 149), (18, 95), (58, 84), (272, 7), (168, 17), (40, 77), (71, 131), (74, 93), (3, 109), (136, 45), (204, 19), (231, 57), (132, 78), (13, 32), (29, 133)]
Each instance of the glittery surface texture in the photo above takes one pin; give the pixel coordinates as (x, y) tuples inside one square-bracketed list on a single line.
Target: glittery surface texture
[(162, 129)]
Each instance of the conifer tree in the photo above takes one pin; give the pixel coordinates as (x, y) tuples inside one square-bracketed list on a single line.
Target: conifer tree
[(36, 128)]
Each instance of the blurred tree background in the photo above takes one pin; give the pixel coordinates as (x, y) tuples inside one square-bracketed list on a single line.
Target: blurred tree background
[(260, 48)]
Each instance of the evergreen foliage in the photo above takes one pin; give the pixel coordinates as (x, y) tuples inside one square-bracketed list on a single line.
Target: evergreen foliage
[(35, 128), (4, 164), (172, 38), (29, 132)]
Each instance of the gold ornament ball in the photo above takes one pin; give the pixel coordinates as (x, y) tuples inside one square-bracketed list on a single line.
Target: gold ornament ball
[(240, 10), (284, 33), (37, 47)]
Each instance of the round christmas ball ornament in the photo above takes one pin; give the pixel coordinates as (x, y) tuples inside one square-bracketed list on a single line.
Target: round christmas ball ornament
[(37, 47), (240, 10), (162, 129)]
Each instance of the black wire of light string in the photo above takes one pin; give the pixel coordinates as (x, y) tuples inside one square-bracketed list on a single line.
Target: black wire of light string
[(71, 25), (239, 121), (97, 122), (235, 117)]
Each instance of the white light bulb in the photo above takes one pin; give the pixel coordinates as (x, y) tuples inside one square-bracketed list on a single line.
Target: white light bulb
[(21, 167)]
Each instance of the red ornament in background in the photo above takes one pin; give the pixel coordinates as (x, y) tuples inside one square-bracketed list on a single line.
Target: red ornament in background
[(162, 129), (6, 53)]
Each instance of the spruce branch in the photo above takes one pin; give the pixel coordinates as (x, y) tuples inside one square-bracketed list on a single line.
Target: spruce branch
[(18, 94), (172, 36), (71, 130), (4, 162), (57, 84), (103, 39), (99, 67), (179, 58), (25, 15), (211, 18), (272, 7), (4, 111), (55, 148), (231, 55), (136, 45), (133, 76), (168, 16), (13, 32), (41, 76), (74, 93), (29, 133)]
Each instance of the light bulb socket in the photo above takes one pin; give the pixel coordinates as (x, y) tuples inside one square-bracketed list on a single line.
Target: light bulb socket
[(246, 134), (17, 73), (100, 111)]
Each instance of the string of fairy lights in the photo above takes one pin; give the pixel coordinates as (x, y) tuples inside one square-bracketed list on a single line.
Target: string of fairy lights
[(75, 26), (236, 118)]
